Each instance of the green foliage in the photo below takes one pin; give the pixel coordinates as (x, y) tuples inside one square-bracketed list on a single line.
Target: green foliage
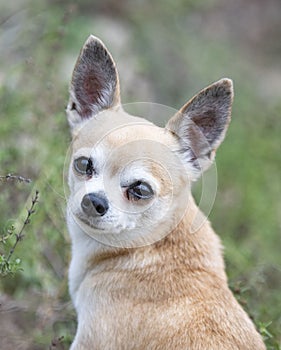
[(9, 267), (8, 264), (244, 294), (269, 338)]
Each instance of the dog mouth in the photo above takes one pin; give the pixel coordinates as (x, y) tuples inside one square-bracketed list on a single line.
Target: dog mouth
[(111, 226), (93, 224)]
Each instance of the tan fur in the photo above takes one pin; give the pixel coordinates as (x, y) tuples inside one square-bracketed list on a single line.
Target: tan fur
[(172, 294), (194, 308)]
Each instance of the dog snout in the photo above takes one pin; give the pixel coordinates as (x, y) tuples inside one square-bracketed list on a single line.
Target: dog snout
[(94, 205)]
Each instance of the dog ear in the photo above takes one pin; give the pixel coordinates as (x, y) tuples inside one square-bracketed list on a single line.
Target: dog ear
[(95, 83), (201, 124)]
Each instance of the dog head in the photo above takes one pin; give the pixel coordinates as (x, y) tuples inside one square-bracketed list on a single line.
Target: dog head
[(130, 179)]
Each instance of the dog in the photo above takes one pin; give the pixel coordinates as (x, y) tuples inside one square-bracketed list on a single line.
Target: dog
[(147, 270)]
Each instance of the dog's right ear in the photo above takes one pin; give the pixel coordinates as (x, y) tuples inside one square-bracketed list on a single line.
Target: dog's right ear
[(94, 85), (200, 126)]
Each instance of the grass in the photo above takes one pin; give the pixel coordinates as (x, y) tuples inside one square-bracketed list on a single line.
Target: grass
[(175, 58)]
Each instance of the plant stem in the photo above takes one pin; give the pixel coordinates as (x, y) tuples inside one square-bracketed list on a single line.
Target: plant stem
[(20, 235), (14, 177)]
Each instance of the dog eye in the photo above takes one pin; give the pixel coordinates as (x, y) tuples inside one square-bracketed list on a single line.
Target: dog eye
[(139, 190), (84, 166)]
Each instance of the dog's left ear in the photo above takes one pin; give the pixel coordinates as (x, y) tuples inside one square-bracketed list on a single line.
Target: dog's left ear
[(201, 124), (95, 83)]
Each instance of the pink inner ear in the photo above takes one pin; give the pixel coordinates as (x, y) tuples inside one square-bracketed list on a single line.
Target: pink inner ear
[(207, 124), (94, 82), (91, 86), (88, 93)]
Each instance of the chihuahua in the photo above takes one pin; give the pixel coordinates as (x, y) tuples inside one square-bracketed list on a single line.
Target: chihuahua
[(147, 270)]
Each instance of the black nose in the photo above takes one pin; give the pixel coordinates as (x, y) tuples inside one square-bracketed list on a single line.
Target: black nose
[(94, 205)]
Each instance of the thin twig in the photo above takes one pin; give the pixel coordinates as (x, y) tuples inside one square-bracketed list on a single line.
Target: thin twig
[(56, 342), (20, 235), (14, 177)]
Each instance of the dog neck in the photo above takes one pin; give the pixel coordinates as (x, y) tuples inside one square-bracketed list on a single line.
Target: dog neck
[(197, 248)]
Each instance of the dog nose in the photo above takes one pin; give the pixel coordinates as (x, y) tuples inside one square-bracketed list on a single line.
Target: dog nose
[(94, 205)]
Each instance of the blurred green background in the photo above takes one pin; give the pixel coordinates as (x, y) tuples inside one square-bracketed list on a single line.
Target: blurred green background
[(165, 52)]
